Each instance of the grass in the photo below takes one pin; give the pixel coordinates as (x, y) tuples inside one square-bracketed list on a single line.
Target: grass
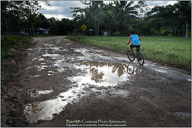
[(175, 51), (9, 41)]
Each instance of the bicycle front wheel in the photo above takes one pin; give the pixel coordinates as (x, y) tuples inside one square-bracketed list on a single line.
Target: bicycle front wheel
[(140, 59), (130, 55)]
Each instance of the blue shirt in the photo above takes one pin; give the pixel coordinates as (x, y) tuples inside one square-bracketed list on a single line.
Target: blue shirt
[(135, 39)]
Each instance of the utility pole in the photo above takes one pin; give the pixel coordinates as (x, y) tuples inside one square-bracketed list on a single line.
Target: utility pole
[(186, 30)]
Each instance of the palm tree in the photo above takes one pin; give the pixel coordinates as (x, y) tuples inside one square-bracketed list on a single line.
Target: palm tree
[(118, 14)]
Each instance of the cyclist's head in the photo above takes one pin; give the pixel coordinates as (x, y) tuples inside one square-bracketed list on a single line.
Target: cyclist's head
[(132, 32)]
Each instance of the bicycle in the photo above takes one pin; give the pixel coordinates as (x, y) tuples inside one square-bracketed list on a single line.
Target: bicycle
[(140, 58)]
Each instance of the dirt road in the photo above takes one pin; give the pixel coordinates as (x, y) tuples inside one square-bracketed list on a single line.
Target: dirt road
[(68, 84)]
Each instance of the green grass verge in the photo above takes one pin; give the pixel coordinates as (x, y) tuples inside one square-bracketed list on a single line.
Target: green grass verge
[(175, 51), (9, 41)]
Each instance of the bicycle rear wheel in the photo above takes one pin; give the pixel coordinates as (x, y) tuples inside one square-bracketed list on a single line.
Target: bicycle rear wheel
[(140, 59), (130, 55)]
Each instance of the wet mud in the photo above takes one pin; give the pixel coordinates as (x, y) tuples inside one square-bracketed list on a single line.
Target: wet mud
[(65, 80)]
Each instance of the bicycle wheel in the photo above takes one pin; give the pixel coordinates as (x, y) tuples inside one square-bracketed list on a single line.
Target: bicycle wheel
[(140, 59), (131, 56)]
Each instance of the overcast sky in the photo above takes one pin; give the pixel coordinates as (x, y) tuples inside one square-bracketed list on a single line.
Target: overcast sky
[(61, 9)]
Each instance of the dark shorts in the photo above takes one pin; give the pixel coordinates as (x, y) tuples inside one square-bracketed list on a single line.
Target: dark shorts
[(136, 46)]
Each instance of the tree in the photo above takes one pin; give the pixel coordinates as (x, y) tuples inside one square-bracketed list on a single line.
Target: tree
[(41, 21), (113, 16), (17, 13), (183, 10), (170, 18)]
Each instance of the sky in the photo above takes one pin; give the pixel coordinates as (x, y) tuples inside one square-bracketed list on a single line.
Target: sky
[(61, 9)]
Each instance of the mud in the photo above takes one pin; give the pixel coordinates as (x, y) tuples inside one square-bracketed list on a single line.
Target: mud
[(66, 81)]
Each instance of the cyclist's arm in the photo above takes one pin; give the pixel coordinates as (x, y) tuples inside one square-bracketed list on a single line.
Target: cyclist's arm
[(139, 39), (129, 40)]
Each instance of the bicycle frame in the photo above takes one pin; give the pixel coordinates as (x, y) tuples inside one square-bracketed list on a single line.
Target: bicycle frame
[(135, 49)]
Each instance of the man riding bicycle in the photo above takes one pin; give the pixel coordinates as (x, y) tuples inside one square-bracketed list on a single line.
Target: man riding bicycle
[(135, 41)]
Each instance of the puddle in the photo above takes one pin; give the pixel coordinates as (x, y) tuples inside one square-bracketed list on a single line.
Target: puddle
[(48, 45), (30, 49), (69, 44), (53, 56), (121, 93), (62, 63), (61, 69), (41, 67), (92, 54), (81, 50), (161, 70), (34, 59), (96, 75), (84, 51), (183, 114), (104, 74), (41, 59), (34, 76), (50, 73), (87, 55), (121, 59), (36, 93), (54, 48), (47, 109), (39, 49), (38, 67)]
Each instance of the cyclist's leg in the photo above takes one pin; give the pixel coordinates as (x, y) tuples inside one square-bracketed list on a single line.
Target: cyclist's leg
[(132, 46), (137, 49)]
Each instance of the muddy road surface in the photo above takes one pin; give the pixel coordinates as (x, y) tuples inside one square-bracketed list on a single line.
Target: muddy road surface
[(69, 84)]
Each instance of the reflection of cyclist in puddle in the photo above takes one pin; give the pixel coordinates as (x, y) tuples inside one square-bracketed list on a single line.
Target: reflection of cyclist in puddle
[(132, 70)]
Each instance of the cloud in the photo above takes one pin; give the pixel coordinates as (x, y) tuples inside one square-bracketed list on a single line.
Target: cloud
[(160, 3), (67, 3), (58, 16), (61, 9)]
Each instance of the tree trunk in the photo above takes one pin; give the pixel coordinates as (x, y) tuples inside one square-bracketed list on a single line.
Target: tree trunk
[(95, 28), (186, 30), (98, 29)]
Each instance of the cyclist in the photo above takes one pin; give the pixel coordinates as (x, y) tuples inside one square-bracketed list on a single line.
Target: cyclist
[(135, 41)]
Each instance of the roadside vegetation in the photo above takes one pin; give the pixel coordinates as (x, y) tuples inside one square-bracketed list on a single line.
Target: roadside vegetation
[(13, 41), (13, 49), (12, 53), (175, 51)]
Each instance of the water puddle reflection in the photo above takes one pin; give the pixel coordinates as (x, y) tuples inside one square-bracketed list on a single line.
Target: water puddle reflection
[(183, 114), (62, 63), (121, 93), (94, 76), (36, 93), (104, 74), (34, 76), (53, 56), (54, 48), (38, 67), (47, 109), (160, 70)]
